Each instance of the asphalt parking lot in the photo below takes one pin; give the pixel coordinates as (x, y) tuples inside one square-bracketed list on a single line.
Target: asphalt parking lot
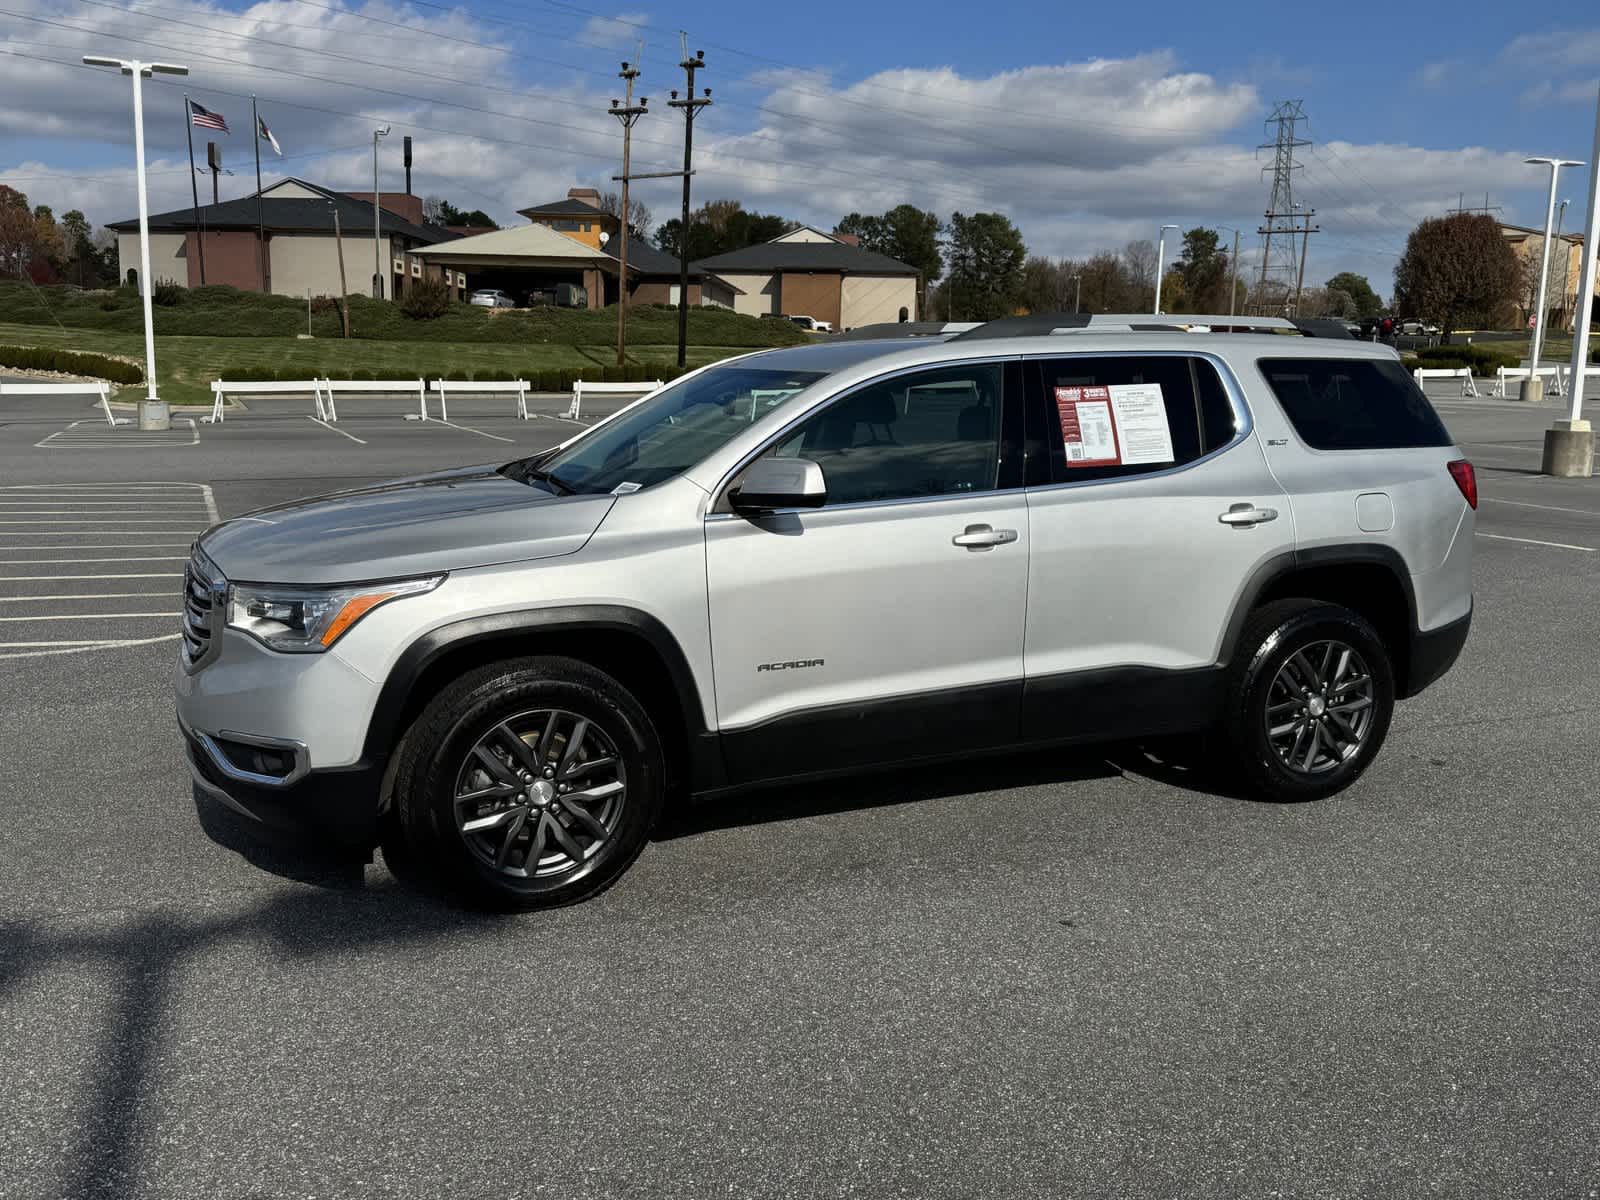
[(1084, 974)]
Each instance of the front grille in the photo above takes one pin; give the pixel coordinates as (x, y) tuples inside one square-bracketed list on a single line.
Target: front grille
[(203, 588)]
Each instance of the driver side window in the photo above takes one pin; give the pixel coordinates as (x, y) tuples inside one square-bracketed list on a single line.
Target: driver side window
[(932, 433)]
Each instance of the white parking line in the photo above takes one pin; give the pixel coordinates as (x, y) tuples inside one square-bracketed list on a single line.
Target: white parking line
[(335, 429), (165, 616), (185, 542), (1502, 537), (79, 647), (1587, 512), (98, 437), (42, 578), (470, 429), (86, 596)]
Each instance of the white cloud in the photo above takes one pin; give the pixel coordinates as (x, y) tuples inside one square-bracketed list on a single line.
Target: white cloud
[(1573, 91), (1571, 49), (1083, 155), (619, 32), (1436, 75)]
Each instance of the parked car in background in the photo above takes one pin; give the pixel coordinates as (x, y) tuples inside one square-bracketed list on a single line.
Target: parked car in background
[(803, 321), (491, 298)]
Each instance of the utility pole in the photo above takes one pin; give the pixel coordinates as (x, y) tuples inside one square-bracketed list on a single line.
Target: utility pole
[(344, 290), (1077, 292), (628, 113), (1233, 277), (1161, 256), (691, 106), (1284, 220)]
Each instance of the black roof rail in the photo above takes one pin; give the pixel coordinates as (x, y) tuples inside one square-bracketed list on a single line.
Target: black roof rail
[(1321, 327), (1032, 325)]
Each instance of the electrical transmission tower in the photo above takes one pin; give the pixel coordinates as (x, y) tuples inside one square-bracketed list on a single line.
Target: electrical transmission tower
[(1283, 263)]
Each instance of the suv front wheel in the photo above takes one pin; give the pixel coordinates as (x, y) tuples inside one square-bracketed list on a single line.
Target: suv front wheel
[(1310, 696), (529, 784)]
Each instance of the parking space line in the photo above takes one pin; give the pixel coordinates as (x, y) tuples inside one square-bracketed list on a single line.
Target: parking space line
[(79, 647), (165, 616), (161, 595), (39, 562), (335, 429), (1586, 512), (1507, 446), (1503, 537), (42, 578), (107, 546), (470, 429)]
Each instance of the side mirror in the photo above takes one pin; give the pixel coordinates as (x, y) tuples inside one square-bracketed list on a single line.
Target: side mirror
[(771, 483)]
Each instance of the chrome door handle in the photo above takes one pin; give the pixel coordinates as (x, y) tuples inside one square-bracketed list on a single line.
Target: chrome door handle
[(982, 537), (1247, 514)]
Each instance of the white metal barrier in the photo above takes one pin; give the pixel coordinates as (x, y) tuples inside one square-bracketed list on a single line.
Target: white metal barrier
[(1468, 388), (221, 389), (99, 388), (583, 388), (371, 386), (481, 387), (1557, 373)]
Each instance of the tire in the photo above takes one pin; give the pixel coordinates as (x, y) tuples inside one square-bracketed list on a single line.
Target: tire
[(582, 792), (1302, 721)]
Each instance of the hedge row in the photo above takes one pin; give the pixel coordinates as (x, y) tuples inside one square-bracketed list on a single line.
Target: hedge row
[(1484, 360), (70, 362), (540, 379)]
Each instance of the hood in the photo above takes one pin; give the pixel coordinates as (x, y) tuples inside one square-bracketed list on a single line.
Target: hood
[(446, 521)]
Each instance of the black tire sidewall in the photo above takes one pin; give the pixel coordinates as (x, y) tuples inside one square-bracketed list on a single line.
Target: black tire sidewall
[(428, 794), (1266, 773)]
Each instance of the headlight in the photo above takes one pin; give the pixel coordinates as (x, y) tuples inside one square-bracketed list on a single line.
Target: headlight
[(310, 619)]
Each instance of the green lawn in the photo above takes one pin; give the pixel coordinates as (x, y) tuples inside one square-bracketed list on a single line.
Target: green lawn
[(185, 366)]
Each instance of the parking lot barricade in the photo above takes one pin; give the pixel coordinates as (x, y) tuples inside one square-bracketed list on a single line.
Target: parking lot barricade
[(1503, 374), (580, 388), (1468, 387), (392, 387), (481, 387), (99, 388), (221, 389)]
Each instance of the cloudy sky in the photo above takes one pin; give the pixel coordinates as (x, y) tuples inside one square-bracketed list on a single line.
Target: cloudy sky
[(1087, 124)]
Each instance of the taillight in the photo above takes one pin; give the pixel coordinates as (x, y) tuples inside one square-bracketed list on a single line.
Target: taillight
[(1461, 471)]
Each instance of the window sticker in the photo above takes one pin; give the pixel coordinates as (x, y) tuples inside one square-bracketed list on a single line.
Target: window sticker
[(1124, 424), (1141, 418), (1086, 426)]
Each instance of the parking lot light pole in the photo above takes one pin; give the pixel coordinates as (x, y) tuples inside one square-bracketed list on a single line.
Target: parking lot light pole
[(377, 241), (1569, 444), (153, 412), (1161, 257), (1533, 386)]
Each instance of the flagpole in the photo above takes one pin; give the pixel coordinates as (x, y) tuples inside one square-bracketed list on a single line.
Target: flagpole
[(261, 236), (194, 188)]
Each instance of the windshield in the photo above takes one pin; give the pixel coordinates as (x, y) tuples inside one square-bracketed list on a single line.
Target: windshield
[(674, 429)]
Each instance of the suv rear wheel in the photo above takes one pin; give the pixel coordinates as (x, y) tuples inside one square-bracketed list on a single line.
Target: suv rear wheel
[(529, 784), (1310, 696)]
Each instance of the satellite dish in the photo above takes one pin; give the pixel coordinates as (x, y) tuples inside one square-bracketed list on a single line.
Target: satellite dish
[(604, 237)]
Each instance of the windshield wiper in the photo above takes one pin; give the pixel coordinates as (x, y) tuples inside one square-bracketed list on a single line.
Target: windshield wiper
[(524, 472)]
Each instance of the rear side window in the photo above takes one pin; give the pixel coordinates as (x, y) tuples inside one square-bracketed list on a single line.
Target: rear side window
[(1115, 416), (1353, 403)]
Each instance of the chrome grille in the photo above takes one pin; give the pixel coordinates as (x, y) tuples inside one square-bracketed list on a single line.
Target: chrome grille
[(203, 589)]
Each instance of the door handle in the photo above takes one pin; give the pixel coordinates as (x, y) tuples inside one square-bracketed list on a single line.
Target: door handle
[(1247, 514), (984, 537)]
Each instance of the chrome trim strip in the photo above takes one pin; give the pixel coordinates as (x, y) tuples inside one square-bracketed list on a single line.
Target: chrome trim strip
[(298, 751)]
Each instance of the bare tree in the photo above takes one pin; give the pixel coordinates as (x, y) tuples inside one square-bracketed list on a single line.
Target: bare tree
[(639, 217)]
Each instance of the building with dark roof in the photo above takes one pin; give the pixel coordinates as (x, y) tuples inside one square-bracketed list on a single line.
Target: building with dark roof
[(810, 273), (579, 216), (300, 254)]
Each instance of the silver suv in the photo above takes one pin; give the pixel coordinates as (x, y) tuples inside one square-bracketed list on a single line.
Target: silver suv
[(836, 556)]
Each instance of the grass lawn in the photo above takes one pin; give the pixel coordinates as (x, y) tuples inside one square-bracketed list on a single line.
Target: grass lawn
[(185, 366)]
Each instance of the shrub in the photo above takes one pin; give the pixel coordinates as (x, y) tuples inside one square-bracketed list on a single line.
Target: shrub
[(1484, 360), (69, 362), (426, 300), (166, 293)]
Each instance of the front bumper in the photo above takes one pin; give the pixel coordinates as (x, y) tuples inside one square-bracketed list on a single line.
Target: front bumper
[(336, 805)]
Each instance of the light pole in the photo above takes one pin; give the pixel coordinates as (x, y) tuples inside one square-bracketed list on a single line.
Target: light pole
[(1533, 386), (1161, 256), (1233, 271), (1566, 259), (1569, 444), (153, 412), (1077, 292), (377, 242)]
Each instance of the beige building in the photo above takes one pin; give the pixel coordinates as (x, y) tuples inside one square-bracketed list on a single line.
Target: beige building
[(300, 253), (810, 273), (1566, 273)]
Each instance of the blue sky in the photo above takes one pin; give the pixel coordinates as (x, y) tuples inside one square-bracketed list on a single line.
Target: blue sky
[(1089, 124)]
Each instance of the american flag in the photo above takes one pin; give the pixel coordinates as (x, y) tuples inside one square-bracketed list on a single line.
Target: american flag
[(205, 118)]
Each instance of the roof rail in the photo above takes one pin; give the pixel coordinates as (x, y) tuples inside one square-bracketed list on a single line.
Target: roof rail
[(1042, 324), (904, 329)]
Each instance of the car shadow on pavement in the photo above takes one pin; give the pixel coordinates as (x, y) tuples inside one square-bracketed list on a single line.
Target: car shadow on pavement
[(1175, 763)]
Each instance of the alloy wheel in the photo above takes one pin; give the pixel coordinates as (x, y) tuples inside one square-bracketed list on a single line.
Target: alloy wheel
[(540, 794), (1320, 707)]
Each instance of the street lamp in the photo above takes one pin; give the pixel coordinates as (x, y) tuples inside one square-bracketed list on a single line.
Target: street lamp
[(1077, 293), (153, 412), (1533, 386), (377, 242), (1161, 256), (1569, 444)]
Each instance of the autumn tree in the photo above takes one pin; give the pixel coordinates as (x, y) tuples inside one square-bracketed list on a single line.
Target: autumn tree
[(1456, 270)]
